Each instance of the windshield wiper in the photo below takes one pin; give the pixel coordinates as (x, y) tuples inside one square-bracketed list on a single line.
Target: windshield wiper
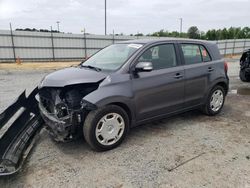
[(92, 67)]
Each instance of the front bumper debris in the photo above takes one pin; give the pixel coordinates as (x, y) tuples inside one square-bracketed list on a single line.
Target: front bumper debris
[(18, 139), (59, 129), (69, 127)]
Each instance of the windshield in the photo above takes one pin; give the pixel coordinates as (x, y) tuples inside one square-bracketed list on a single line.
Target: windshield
[(112, 57)]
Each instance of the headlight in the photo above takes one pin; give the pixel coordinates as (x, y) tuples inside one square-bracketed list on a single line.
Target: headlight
[(61, 110)]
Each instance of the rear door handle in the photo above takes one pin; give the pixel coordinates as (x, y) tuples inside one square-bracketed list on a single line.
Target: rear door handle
[(210, 69), (178, 76)]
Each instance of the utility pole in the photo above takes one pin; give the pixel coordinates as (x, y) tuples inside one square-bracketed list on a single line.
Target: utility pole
[(180, 26), (58, 26), (105, 17)]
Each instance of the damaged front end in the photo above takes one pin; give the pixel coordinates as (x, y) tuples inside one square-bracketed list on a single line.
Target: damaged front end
[(64, 109), (59, 104), (18, 137), (245, 66)]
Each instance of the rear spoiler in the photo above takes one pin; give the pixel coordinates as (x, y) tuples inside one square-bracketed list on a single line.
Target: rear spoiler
[(18, 138)]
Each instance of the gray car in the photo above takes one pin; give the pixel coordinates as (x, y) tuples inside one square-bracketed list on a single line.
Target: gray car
[(131, 83)]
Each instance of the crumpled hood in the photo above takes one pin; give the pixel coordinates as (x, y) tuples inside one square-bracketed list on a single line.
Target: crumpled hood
[(71, 76)]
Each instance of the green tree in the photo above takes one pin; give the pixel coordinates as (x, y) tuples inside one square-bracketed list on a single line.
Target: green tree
[(211, 34), (224, 34), (193, 32), (203, 35), (231, 33), (246, 32), (218, 34)]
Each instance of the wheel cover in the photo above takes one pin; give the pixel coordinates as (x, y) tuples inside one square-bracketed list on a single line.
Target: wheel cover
[(216, 100), (110, 129)]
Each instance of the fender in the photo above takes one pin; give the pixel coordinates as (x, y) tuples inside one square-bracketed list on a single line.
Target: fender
[(110, 92), (214, 83)]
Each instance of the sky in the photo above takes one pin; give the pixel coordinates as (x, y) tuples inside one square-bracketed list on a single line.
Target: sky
[(124, 16)]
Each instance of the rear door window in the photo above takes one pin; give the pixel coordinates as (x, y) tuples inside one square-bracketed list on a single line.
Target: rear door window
[(195, 53), (192, 53)]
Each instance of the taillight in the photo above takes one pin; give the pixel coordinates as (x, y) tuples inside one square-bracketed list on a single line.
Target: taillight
[(225, 67)]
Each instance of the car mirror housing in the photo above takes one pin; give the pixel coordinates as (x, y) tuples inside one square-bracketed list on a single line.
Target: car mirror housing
[(144, 67)]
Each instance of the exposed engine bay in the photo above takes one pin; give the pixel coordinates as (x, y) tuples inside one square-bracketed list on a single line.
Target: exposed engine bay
[(64, 109)]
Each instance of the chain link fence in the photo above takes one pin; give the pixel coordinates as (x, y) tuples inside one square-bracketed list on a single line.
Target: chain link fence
[(233, 47), (48, 46)]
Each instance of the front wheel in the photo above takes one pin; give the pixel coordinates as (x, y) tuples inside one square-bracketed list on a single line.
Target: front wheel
[(215, 101), (106, 127)]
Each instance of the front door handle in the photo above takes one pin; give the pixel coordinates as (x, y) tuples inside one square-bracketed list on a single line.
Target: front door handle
[(210, 69), (178, 76)]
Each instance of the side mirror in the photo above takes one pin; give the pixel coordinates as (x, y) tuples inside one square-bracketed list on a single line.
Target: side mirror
[(144, 67)]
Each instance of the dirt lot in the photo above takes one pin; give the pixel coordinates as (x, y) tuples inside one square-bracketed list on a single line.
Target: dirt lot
[(36, 65), (188, 150)]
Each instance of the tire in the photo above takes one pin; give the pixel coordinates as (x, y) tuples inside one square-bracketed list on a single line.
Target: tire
[(103, 124), (243, 76), (213, 106)]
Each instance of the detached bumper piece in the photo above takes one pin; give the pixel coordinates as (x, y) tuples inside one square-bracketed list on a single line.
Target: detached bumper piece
[(18, 139)]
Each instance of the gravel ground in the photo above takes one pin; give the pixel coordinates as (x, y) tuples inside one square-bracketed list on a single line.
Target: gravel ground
[(188, 150)]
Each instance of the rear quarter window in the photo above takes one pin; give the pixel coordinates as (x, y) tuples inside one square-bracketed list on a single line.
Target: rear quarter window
[(205, 55)]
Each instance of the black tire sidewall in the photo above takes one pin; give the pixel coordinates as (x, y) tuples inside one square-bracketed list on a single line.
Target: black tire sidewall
[(243, 76), (96, 118), (208, 107)]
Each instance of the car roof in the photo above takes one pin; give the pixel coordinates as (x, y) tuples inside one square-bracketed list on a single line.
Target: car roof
[(211, 46), (151, 41)]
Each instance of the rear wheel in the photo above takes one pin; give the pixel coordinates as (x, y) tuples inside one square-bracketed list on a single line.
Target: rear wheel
[(215, 101), (106, 127)]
